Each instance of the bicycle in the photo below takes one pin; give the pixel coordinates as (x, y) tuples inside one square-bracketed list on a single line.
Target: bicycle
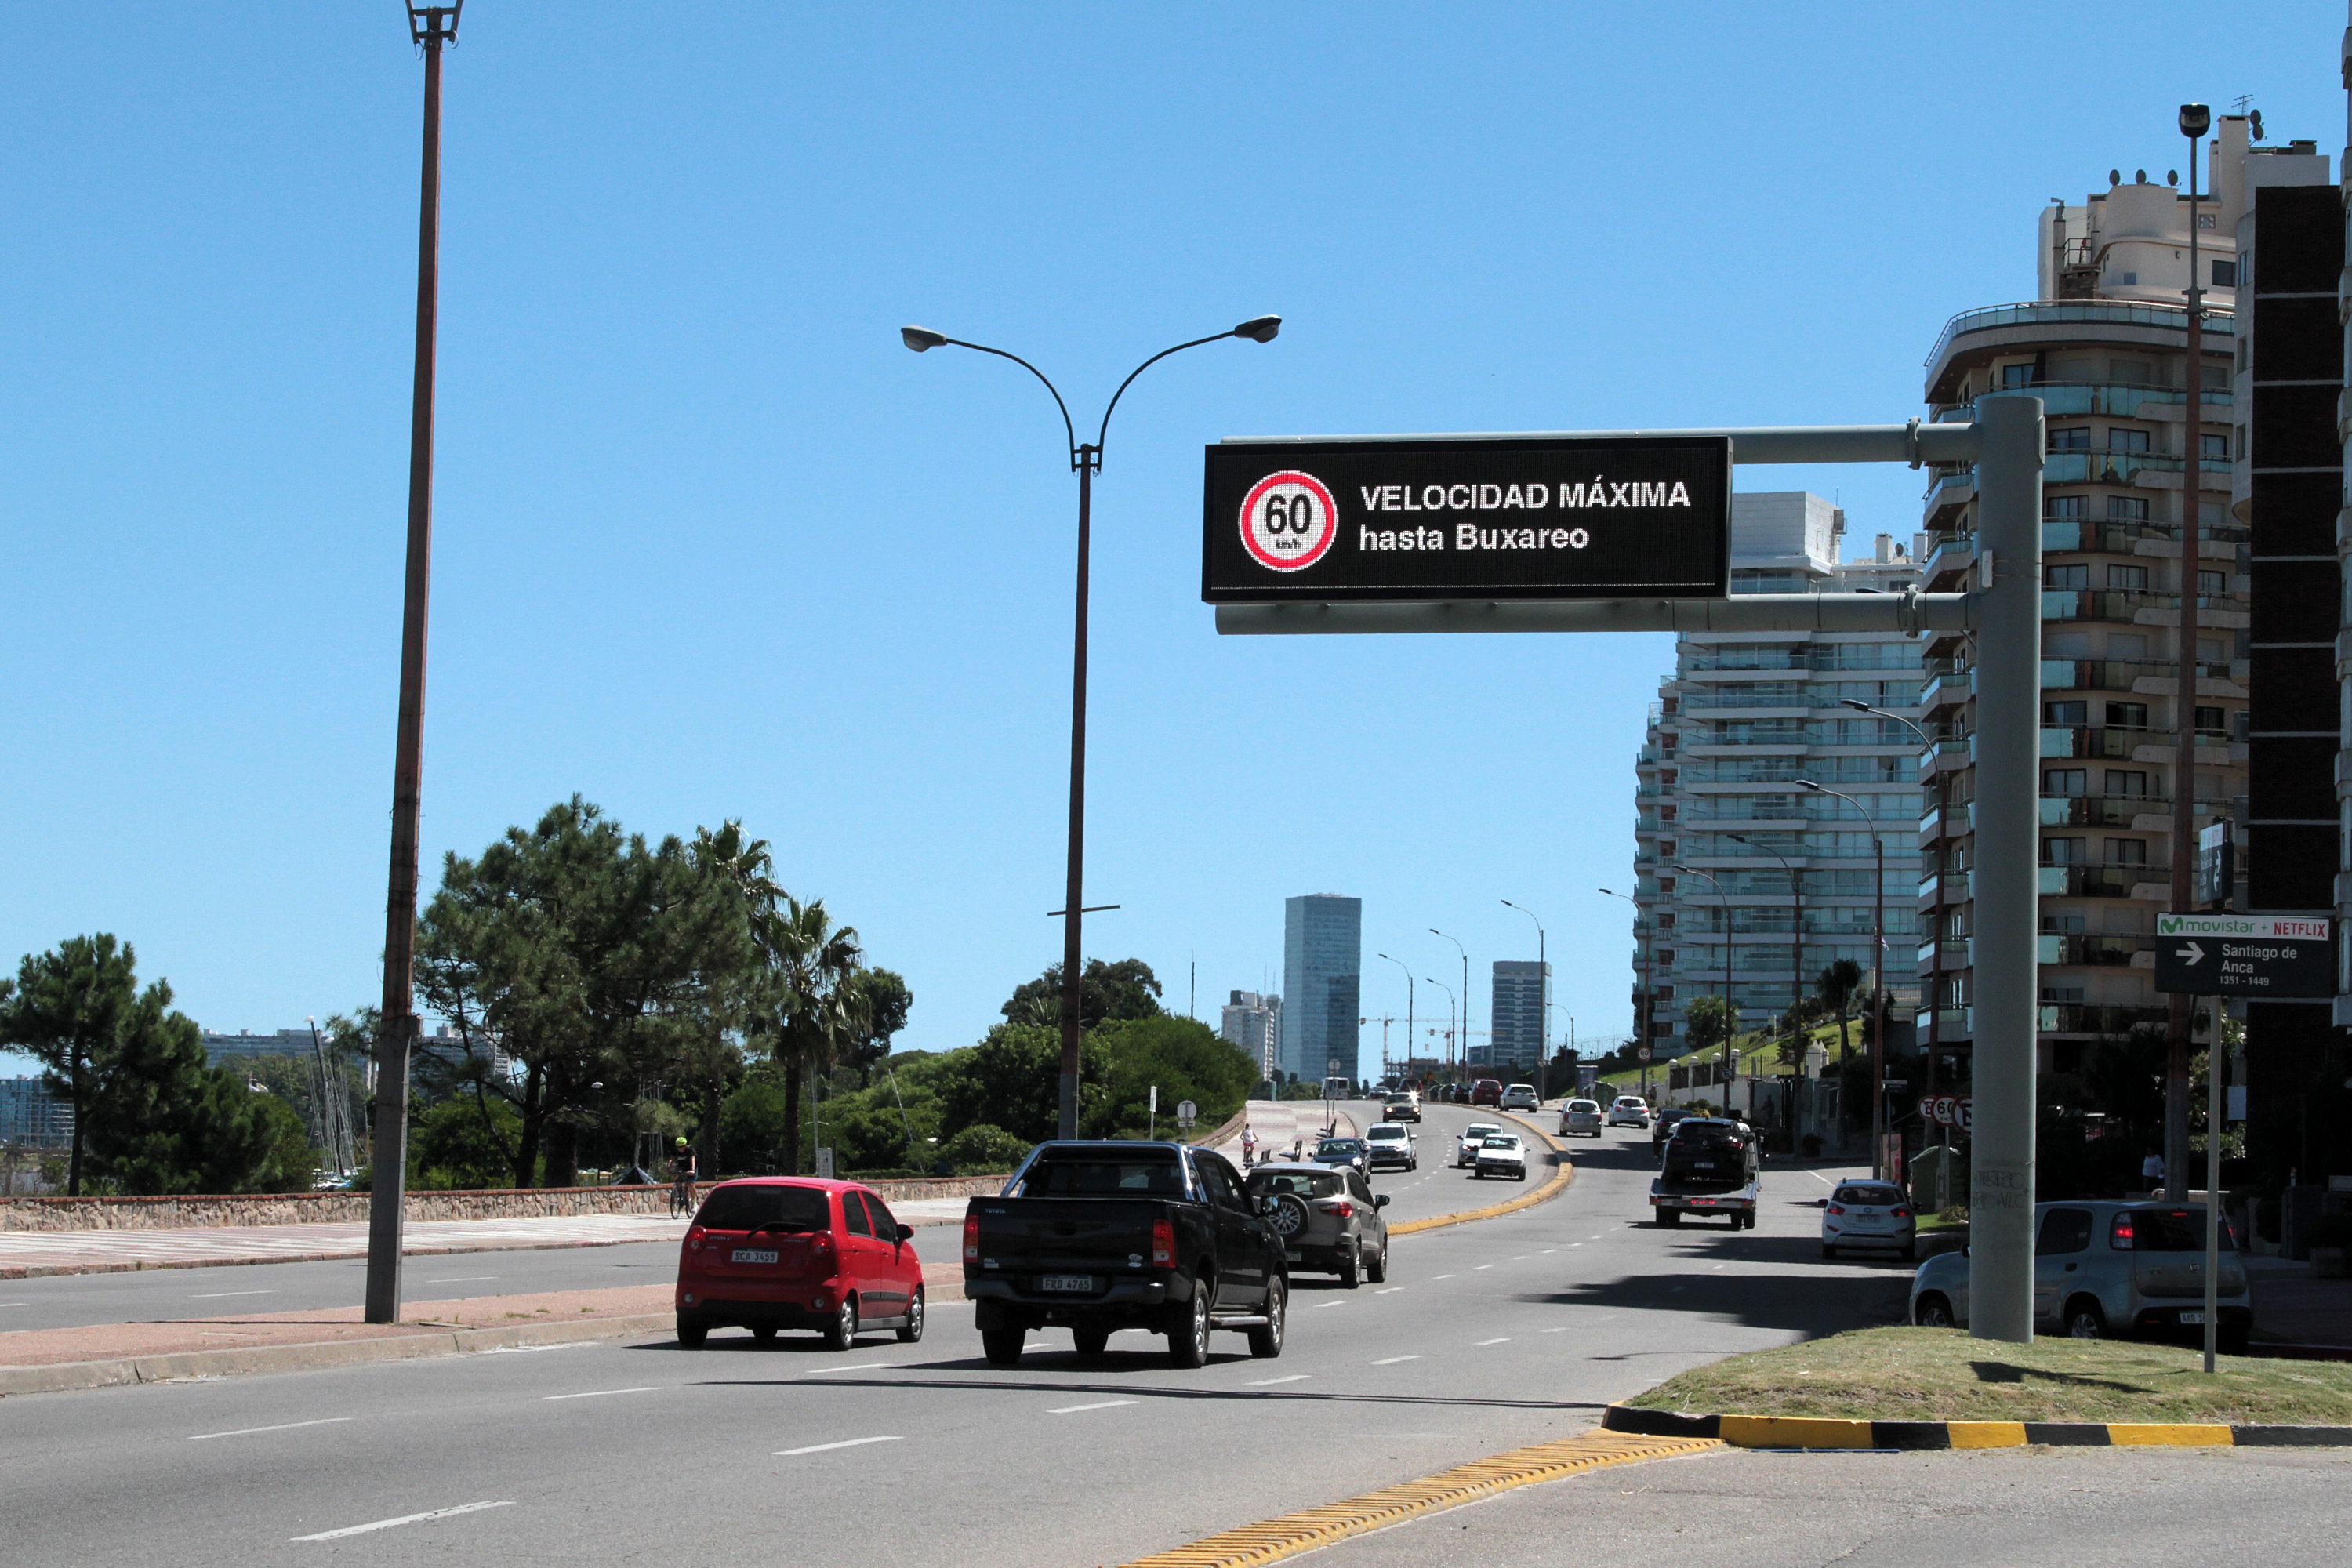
[(681, 1197)]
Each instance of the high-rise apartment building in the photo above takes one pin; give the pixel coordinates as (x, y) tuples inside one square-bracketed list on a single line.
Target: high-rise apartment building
[(1521, 989), (1254, 1021), (31, 1116), (1322, 986), (2104, 347), (1732, 851)]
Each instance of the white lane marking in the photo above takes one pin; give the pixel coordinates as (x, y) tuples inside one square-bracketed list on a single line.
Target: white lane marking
[(1551, 1250), (1522, 1257), (1596, 1238), (1389, 1291), (1822, 1179), (14, 1303), (1559, 1330), (829, 1448), (1504, 1340), (404, 1518), (1486, 1266), (1391, 1360), (1097, 1405), (600, 1392), (281, 1427), (1330, 1303), (1441, 1277), (462, 1280), (863, 1366), (216, 1295), (1269, 1382)]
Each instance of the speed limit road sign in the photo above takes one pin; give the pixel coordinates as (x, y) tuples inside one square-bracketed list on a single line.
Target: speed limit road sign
[(1288, 521)]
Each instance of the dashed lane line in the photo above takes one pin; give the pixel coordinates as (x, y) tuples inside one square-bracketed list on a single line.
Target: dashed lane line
[(1391, 1360), (219, 1295), (829, 1448), (1097, 1405), (1270, 1382), (601, 1393), (281, 1427), (1390, 1291), (1504, 1340), (1435, 1278), (404, 1518)]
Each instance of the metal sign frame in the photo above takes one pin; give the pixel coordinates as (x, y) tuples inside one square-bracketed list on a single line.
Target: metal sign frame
[(2005, 444)]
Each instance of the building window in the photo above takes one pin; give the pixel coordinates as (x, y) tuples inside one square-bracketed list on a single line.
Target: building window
[(2127, 782), (2073, 575), (2066, 506), (2066, 925), (2211, 583), (2064, 851), (2127, 509), (2061, 996), (2214, 448), (2127, 851), (2212, 720), (2127, 279), (2126, 715), (2068, 712), (2066, 781), (2016, 376), (2122, 440), (2127, 577), (2132, 371), (2075, 439)]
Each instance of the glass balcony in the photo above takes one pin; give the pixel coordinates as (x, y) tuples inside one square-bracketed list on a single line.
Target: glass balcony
[(2096, 810), (2125, 468), (2122, 605), (2098, 881), (2089, 950), (2219, 323), (2117, 674), (2118, 400), (2083, 533)]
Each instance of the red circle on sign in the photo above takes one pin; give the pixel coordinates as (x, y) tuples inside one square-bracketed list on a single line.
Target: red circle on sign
[(1328, 531)]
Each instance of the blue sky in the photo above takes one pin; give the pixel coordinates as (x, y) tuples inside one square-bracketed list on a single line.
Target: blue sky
[(710, 544)]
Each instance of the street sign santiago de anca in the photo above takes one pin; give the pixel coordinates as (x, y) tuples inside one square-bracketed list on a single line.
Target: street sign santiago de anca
[(2245, 955), (1513, 517)]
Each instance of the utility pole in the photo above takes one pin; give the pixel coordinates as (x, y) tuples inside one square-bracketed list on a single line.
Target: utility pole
[(433, 29)]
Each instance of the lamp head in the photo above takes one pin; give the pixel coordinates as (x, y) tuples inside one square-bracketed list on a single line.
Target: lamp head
[(920, 339), (1855, 703), (1808, 783), (1259, 328), (2195, 120)]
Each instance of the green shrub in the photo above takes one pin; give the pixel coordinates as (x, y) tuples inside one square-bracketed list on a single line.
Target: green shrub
[(985, 1149)]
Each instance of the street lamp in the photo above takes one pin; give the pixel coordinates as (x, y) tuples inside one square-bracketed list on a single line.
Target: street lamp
[(1929, 982), (1731, 1011), (1085, 461), (433, 29), (1878, 979), (1543, 978), (1796, 926), (1642, 1001), (1408, 1009), (1465, 995), (1449, 1014)]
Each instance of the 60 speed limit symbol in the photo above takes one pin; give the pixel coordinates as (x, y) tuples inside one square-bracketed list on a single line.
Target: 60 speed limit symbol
[(1288, 521)]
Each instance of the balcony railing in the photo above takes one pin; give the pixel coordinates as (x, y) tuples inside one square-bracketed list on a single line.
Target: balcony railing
[(2125, 468), (2094, 951), (2112, 537), (2098, 881), (2118, 674), (2121, 604), (1768, 695), (2052, 312), (2096, 810), (2079, 1018), (2117, 400)]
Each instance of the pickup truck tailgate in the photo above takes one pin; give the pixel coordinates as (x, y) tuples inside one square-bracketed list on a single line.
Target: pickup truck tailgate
[(1062, 1236)]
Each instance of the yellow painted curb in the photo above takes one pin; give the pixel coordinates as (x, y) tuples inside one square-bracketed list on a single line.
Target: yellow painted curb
[(1560, 1177), (2161, 1435), (1794, 1432), (1276, 1539), (1986, 1434)]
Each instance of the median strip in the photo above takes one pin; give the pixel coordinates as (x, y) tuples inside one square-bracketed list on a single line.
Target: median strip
[(1276, 1539), (1563, 1172)]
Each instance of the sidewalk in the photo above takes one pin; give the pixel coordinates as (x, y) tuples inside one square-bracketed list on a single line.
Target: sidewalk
[(34, 1254), (1277, 1122)]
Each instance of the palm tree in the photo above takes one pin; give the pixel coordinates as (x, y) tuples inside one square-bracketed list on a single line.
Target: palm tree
[(741, 870), (815, 1008), (1836, 985)]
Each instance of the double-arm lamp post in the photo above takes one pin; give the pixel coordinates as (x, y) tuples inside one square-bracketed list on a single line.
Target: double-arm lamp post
[(1085, 460), (1877, 979), (1796, 927), (1463, 1041), (1408, 1010), (1643, 991), (1543, 978)]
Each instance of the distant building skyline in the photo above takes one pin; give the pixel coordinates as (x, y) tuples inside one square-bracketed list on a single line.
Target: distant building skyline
[(1520, 988), (1253, 1020), (30, 1114), (1322, 986)]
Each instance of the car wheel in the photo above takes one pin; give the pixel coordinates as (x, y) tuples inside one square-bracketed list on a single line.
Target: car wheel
[(764, 1332), (1933, 1312), (1188, 1336), (1377, 1269), (1911, 1250), (1090, 1340), (1351, 1269), (692, 1331), (1001, 1346), (840, 1332), (1266, 1342), (2232, 1342), (911, 1331), (1828, 1251), (2085, 1319), (1670, 1217)]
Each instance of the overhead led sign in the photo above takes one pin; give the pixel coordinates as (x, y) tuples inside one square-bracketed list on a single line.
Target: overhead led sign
[(1514, 517)]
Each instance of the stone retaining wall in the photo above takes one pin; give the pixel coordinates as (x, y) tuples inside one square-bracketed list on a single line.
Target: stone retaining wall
[(318, 1208)]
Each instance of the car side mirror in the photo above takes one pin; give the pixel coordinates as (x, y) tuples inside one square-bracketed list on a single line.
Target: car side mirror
[(1381, 1201), (1267, 1202), (906, 1233)]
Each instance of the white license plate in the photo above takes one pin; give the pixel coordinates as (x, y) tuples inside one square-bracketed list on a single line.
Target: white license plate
[(2194, 1320), (1065, 1282), (754, 1255), (1295, 1257)]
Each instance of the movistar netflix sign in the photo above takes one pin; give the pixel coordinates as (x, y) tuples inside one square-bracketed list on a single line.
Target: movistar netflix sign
[(1483, 517)]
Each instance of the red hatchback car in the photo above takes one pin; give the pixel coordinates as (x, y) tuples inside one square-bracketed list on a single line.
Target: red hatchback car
[(787, 1252)]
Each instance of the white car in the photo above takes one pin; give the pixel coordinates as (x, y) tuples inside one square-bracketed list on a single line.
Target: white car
[(1629, 1111), (1502, 1154), (1522, 1097), (1465, 1153), (1579, 1116), (1869, 1214), (1388, 1144)]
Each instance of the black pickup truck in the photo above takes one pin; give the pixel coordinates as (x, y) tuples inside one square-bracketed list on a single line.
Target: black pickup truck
[(1098, 1237)]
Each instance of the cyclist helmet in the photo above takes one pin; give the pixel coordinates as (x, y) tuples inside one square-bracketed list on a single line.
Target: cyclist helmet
[(681, 1142)]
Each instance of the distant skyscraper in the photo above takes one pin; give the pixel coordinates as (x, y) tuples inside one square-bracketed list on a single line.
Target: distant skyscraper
[(1255, 1024), (30, 1114), (1521, 987), (1322, 984)]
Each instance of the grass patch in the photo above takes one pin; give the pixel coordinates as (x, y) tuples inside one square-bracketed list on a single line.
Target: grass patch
[(1943, 1374)]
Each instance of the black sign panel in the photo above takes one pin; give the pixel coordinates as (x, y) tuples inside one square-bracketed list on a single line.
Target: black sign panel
[(1500, 518), (2245, 955)]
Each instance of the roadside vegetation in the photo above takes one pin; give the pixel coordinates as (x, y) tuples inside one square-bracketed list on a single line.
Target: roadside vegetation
[(1943, 1374)]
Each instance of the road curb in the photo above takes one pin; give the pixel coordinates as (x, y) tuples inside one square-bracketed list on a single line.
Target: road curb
[(60, 1377), (141, 1265), (1564, 1173), (1819, 1431), (1276, 1539)]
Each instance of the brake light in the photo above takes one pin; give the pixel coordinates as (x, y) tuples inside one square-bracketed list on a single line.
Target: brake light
[(1837, 1208), (2120, 1238), (1900, 1214), (1342, 1208), (1163, 1244), (972, 1238), (694, 1238)]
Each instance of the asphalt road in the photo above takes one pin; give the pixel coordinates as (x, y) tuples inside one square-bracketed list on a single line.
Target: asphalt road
[(1488, 1336), (160, 1294)]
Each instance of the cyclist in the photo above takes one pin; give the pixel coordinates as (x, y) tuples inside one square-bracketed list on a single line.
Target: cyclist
[(681, 1191), (1249, 1146)]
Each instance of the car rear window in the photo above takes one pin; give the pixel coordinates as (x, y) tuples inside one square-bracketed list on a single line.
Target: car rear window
[(1085, 1174), (1583, 1105), (1866, 1193), (1388, 1135), (747, 1208), (1304, 1183), (2163, 1230)]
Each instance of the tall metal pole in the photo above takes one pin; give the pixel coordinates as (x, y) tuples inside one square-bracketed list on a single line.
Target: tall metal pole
[(1543, 978), (2194, 120), (1089, 458), (1464, 1040), (2008, 823), (2216, 1118), (1408, 1009), (433, 29), (1877, 977)]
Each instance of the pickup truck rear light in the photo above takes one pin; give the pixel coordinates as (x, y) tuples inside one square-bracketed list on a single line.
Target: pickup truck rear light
[(972, 1238), (694, 1238), (1340, 1208), (1163, 1244)]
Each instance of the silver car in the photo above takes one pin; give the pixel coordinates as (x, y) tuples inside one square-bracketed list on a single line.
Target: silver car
[(1328, 1219), (2101, 1269), (1877, 1216), (1579, 1116), (1465, 1150)]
